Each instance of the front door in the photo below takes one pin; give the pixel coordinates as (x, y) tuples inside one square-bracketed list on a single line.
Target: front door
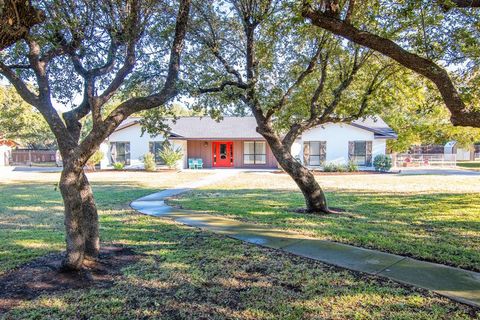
[(222, 154)]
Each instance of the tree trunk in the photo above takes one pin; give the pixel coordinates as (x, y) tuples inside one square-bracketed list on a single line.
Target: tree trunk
[(312, 192), (81, 218), (74, 237), (90, 219)]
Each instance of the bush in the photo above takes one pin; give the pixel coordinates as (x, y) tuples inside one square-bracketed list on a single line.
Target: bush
[(382, 163), (118, 165), (333, 167), (94, 159), (171, 155), (149, 162), (352, 166)]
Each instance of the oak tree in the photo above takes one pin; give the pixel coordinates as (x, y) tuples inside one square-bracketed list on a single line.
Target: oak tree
[(94, 50), (261, 56)]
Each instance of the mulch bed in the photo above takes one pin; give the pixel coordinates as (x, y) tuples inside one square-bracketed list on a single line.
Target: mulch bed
[(43, 276)]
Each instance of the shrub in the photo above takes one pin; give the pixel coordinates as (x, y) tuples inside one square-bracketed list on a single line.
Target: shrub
[(352, 166), (94, 159), (149, 162), (118, 165), (333, 167), (382, 163), (329, 167), (171, 155)]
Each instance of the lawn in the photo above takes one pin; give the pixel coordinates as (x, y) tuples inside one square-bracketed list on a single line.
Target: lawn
[(470, 165), (435, 218), (187, 273)]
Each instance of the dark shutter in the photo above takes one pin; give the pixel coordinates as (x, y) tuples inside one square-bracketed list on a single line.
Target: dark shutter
[(323, 151), (113, 152), (151, 147), (306, 153), (368, 158), (127, 153), (351, 149)]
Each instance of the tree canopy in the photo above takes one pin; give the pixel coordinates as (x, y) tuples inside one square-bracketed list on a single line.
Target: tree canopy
[(21, 122), (436, 39)]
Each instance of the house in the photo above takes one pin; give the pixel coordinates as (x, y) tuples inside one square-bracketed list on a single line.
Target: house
[(234, 143), (6, 146), (456, 152)]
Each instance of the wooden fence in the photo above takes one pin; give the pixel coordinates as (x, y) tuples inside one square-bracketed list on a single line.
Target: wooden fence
[(28, 156)]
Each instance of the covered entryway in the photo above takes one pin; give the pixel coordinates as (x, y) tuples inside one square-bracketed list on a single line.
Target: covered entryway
[(222, 152)]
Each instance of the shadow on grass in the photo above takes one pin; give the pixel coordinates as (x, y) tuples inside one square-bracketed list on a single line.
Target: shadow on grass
[(31, 216), (190, 274), (443, 228)]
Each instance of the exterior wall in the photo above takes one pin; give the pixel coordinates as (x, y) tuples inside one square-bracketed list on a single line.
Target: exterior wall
[(203, 149), (379, 146), (337, 137), (138, 143), (182, 145), (238, 160)]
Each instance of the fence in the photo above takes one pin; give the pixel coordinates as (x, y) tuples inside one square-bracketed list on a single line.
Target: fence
[(29, 157), (417, 160)]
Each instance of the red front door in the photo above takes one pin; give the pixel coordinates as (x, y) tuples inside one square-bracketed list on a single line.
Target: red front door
[(222, 154)]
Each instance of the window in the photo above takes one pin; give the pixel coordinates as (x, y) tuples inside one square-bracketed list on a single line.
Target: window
[(314, 153), (254, 152), (155, 147), (360, 152), (120, 152)]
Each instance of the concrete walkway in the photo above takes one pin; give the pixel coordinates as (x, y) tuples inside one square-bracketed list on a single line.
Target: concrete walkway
[(457, 284)]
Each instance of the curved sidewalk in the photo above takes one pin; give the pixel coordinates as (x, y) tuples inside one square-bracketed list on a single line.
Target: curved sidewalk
[(454, 283)]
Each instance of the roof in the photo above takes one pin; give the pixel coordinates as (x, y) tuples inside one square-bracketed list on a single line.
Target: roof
[(206, 128), (376, 125)]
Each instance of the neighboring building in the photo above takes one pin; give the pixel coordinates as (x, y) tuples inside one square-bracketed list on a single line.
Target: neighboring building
[(460, 154), (234, 142), (6, 146)]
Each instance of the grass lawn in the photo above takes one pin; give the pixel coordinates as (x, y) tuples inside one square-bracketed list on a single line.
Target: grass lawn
[(470, 165), (435, 218), (187, 273)]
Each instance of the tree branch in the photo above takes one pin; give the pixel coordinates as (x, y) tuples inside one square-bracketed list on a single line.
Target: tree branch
[(222, 87), (125, 109), (350, 10), (19, 85), (17, 17), (460, 114), (308, 70), (450, 4)]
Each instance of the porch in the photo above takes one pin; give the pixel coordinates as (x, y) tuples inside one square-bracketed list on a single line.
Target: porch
[(232, 153)]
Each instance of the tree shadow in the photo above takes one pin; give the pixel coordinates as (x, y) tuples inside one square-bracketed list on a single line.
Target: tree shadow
[(438, 227)]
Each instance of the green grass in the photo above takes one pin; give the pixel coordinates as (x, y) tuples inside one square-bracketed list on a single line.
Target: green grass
[(188, 274), (444, 228), (468, 164)]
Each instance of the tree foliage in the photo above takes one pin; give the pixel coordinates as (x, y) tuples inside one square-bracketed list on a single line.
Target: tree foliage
[(21, 122), (263, 58), (416, 112), (436, 39)]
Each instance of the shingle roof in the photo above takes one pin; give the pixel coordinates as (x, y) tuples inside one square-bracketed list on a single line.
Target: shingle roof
[(205, 128), (376, 125)]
